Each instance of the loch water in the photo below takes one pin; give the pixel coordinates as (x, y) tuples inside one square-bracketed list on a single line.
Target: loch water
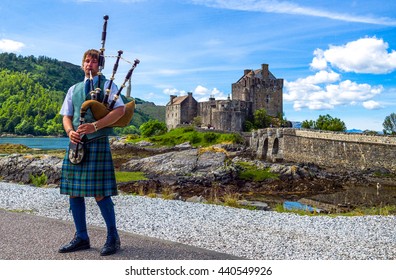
[(42, 143)]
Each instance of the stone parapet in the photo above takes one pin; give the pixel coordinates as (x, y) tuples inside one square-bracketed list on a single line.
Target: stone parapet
[(324, 148)]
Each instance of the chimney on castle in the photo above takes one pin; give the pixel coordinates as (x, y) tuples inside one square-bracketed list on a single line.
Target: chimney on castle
[(264, 71), (171, 98)]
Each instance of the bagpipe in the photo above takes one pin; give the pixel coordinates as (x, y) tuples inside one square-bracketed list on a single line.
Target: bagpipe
[(100, 108)]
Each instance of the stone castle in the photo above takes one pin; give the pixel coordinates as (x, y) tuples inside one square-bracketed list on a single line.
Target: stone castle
[(256, 89)]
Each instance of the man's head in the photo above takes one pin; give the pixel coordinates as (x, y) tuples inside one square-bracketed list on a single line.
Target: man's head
[(90, 62)]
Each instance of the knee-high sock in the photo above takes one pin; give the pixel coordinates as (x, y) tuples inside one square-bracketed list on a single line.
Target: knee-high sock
[(77, 207), (106, 207)]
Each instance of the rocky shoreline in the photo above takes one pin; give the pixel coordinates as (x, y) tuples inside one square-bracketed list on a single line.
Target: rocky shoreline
[(210, 173)]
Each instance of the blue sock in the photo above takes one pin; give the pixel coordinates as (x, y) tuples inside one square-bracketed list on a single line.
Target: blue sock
[(106, 207), (77, 207)]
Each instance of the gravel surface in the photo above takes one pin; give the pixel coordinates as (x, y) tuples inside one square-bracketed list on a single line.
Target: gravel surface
[(243, 233)]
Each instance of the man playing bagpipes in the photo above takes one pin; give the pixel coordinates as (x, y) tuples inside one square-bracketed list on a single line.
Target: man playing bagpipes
[(94, 176), (90, 109)]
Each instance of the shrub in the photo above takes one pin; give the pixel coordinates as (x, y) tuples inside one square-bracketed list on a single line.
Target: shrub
[(153, 128), (39, 180), (210, 137), (194, 138)]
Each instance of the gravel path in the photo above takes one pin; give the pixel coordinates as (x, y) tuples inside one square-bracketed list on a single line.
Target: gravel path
[(243, 233)]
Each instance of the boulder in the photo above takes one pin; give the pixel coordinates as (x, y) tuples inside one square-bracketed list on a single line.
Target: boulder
[(18, 168)]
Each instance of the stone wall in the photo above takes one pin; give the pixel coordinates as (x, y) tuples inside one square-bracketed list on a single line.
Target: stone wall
[(225, 115), (329, 149)]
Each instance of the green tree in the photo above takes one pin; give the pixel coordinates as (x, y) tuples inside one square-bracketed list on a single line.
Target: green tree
[(247, 126), (261, 119), (309, 124), (130, 129), (153, 128), (389, 124), (24, 127), (197, 121), (325, 122)]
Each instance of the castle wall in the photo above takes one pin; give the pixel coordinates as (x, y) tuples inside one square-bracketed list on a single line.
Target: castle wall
[(205, 112), (269, 99), (190, 110), (173, 116), (226, 115), (328, 149)]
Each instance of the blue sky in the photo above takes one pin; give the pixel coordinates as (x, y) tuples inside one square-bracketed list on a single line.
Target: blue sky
[(337, 57)]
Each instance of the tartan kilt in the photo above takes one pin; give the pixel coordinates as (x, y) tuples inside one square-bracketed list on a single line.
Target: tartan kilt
[(94, 176)]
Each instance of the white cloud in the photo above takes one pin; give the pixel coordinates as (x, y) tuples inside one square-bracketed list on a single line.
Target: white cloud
[(320, 92), (366, 55), (173, 91), (200, 93), (168, 72), (319, 62), (7, 45), (371, 105), (286, 7), (204, 93), (326, 90)]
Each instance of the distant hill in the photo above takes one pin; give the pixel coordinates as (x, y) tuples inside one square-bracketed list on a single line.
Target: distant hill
[(32, 91), (48, 72), (354, 130), (296, 124), (150, 109)]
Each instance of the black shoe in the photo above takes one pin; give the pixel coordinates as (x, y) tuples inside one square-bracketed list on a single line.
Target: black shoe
[(111, 246), (75, 245)]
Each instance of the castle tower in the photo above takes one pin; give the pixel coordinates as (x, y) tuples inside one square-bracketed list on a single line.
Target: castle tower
[(262, 89)]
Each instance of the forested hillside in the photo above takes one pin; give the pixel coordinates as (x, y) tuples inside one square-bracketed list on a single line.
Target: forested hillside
[(50, 73), (32, 91), (27, 107)]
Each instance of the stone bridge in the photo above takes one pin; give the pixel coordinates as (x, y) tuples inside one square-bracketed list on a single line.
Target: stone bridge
[(325, 148)]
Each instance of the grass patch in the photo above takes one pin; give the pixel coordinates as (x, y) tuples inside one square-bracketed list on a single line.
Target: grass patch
[(231, 200), (190, 134), (167, 193), (378, 174), (124, 176), (371, 211), (249, 171), (8, 148)]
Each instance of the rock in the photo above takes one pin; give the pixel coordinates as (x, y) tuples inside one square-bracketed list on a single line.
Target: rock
[(183, 146), (196, 199), (144, 144), (189, 163), (258, 205), (19, 168)]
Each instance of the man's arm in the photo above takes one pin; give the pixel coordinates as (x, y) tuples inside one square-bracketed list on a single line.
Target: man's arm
[(106, 121)]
